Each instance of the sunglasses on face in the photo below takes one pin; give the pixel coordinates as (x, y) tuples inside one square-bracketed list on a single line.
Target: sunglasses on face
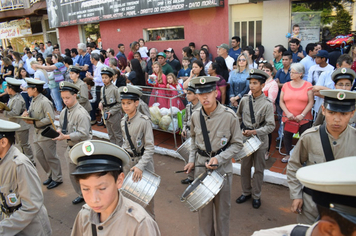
[(262, 61)]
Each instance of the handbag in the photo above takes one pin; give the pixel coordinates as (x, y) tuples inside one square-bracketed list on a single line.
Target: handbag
[(291, 126)]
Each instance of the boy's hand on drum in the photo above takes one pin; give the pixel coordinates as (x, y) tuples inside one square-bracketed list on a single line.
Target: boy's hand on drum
[(213, 161), (248, 133), (137, 175), (188, 167)]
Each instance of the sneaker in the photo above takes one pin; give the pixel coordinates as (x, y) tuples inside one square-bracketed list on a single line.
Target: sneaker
[(266, 156)]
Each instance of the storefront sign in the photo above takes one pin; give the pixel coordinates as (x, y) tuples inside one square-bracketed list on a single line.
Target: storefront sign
[(15, 28), (74, 12), (309, 23)]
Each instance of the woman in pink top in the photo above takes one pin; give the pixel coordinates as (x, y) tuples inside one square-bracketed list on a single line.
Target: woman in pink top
[(296, 102), (271, 91), (158, 80)]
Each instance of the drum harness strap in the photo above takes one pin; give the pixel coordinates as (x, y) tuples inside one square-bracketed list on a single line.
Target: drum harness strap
[(252, 114), (5, 208), (328, 152), (208, 152), (299, 230), (128, 136), (93, 230)]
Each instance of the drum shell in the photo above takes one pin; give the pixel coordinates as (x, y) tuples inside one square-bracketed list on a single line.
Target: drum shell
[(184, 149), (143, 191), (250, 146), (202, 190)]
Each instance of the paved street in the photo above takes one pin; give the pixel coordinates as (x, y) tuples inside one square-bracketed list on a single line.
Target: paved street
[(173, 217)]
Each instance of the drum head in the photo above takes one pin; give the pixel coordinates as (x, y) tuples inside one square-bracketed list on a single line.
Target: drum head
[(194, 185)]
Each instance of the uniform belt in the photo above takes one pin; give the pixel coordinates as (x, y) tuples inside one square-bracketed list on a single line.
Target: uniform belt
[(110, 105), (308, 191), (212, 154), (139, 154), (10, 210)]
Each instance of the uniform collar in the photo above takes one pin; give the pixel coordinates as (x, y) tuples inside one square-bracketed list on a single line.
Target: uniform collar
[(73, 107), (8, 153), (216, 111), (38, 97), (95, 217), (259, 97), (107, 86), (311, 228), (343, 133), (136, 115)]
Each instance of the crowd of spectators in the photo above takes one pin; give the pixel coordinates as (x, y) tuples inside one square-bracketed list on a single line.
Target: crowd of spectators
[(296, 75)]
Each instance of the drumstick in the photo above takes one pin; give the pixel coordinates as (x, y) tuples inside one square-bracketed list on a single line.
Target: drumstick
[(182, 171), (50, 118)]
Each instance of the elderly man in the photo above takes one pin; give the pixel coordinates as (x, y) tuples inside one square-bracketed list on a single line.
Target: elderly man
[(153, 56), (84, 60), (223, 51)]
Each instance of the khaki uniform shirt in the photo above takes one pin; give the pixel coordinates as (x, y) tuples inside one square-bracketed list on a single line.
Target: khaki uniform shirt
[(143, 108), (128, 218), (83, 98), (223, 129), (20, 185), (78, 127), (189, 109), (112, 97), (38, 109), (140, 129), (310, 150), (264, 116), (18, 106), (282, 231), (320, 119)]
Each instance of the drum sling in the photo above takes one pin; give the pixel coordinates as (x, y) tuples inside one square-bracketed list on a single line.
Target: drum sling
[(205, 132), (299, 230), (128, 136), (93, 230), (328, 152)]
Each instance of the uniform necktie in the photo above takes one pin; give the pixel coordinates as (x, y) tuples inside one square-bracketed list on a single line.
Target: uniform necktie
[(65, 122)]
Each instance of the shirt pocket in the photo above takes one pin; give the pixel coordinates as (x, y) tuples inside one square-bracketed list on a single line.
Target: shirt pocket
[(222, 138), (8, 192)]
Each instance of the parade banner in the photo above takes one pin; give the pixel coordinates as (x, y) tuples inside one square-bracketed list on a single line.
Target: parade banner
[(15, 28), (309, 23), (74, 12)]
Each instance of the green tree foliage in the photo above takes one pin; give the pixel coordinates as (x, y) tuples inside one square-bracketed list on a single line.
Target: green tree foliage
[(342, 23)]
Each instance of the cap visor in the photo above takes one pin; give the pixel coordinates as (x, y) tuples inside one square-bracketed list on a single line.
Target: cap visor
[(89, 169), (340, 108), (204, 90)]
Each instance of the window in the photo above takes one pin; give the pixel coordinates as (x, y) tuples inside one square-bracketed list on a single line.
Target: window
[(250, 33), (164, 33)]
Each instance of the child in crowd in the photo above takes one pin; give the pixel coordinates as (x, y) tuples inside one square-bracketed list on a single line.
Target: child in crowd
[(158, 79), (296, 35), (92, 97), (193, 105), (138, 137), (185, 71), (143, 49), (177, 88)]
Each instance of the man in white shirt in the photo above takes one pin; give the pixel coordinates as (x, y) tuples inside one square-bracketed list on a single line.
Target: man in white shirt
[(29, 59), (49, 48), (223, 51), (308, 61), (321, 65)]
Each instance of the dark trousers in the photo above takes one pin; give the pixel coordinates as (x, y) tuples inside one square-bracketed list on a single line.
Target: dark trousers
[(27, 99), (288, 137), (96, 104)]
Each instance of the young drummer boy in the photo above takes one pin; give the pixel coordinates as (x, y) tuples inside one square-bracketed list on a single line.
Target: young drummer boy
[(83, 100), (18, 106), (138, 136), (193, 105), (106, 212), (74, 123), (110, 105), (225, 138), (256, 114)]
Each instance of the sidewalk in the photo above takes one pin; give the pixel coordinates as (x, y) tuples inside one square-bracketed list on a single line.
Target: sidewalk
[(275, 171)]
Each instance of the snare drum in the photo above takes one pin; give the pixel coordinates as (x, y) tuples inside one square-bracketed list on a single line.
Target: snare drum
[(250, 146), (203, 190), (184, 149), (143, 191)]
